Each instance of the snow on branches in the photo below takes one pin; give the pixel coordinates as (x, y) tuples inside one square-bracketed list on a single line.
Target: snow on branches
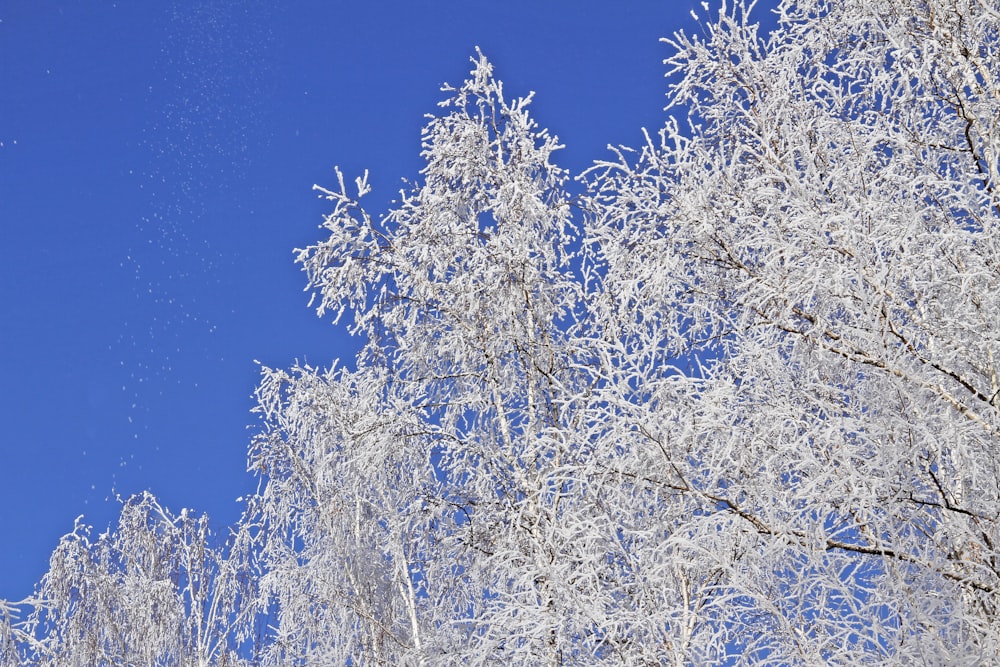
[(736, 403)]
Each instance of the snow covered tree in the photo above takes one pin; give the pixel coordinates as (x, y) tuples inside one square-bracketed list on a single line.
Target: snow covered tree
[(418, 499), (825, 239), (153, 591), (755, 422), (736, 401)]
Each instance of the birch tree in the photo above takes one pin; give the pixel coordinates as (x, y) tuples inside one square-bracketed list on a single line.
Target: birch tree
[(154, 591), (825, 232), (441, 462)]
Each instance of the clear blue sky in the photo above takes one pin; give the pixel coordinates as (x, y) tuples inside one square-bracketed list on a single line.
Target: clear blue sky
[(156, 164)]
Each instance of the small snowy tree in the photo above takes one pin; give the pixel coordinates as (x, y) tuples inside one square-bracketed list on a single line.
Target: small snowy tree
[(154, 591)]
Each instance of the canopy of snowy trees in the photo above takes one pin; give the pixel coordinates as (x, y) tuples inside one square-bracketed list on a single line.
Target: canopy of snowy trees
[(736, 401)]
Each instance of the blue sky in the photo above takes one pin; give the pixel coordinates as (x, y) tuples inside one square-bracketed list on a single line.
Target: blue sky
[(156, 164)]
